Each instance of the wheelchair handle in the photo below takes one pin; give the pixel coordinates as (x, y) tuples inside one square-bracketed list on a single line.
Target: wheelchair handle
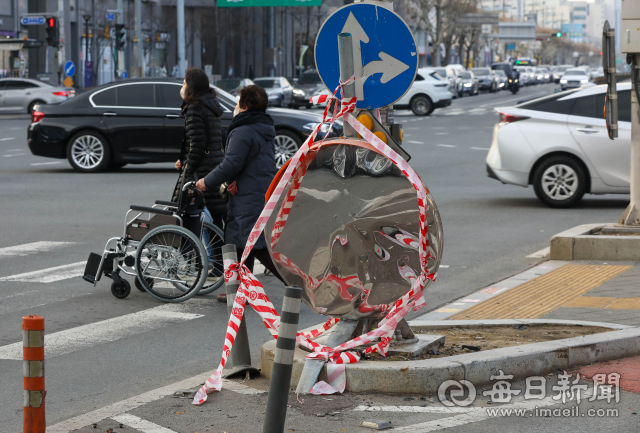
[(192, 186)]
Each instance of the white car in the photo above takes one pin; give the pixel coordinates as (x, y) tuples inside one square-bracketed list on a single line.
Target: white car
[(428, 92), (23, 94), (574, 78), (559, 144)]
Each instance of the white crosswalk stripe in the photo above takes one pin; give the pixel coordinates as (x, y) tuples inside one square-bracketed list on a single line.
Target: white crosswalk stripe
[(32, 248), (50, 275), (140, 424), (81, 337)]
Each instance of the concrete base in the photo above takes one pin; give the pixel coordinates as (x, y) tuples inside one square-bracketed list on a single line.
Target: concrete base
[(580, 243), (425, 376), (424, 344)]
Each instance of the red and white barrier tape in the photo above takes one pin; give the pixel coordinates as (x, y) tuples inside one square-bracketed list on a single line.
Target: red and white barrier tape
[(252, 291)]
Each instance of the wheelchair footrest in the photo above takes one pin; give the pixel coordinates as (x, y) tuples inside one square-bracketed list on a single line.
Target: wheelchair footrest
[(92, 268)]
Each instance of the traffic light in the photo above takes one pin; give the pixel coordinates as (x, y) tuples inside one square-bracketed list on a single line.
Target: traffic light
[(558, 35), (121, 35), (52, 31)]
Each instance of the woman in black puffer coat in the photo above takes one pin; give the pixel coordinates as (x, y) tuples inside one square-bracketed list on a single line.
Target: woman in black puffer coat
[(202, 148)]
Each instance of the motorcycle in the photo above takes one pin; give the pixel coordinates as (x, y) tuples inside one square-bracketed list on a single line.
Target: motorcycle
[(514, 86)]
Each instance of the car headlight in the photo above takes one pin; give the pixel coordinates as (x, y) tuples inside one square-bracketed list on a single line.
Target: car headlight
[(467, 84), (298, 92), (546, 76), (584, 81), (563, 81), (510, 80), (311, 126)]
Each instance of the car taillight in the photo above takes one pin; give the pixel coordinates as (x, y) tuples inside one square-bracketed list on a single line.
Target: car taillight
[(36, 116), (510, 118), (65, 93)]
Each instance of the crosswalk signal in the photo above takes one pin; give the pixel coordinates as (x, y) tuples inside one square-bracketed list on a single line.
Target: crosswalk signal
[(558, 35), (121, 35), (52, 31)]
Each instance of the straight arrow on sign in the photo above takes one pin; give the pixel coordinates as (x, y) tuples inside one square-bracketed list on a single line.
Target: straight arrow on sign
[(388, 65)]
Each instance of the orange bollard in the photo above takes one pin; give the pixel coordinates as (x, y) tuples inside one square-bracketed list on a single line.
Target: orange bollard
[(33, 372)]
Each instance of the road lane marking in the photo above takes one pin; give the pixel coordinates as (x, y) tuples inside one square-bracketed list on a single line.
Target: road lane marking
[(134, 402), (32, 248), (479, 148), (140, 424), (126, 405), (474, 416), (416, 142), (441, 133), (46, 163), (416, 409), (446, 145), (13, 154), (540, 254), (50, 275), (16, 129), (7, 139), (105, 331)]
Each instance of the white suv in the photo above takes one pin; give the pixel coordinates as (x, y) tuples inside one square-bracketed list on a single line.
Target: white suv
[(427, 93)]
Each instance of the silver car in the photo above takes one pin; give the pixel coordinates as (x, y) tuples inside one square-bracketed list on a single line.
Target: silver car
[(279, 89), (23, 94)]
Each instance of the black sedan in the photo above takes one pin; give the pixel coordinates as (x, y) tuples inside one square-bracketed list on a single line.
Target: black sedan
[(139, 121)]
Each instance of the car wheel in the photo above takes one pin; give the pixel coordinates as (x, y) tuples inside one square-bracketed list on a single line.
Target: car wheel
[(33, 105), (88, 152), (421, 105), (560, 182), (282, 102), (287, 144)]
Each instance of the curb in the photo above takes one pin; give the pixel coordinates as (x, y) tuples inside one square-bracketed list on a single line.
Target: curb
[(579, 243), (425, 376)]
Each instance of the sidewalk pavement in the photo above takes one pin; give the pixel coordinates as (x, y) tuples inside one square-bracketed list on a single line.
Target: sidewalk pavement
[(588, 291)]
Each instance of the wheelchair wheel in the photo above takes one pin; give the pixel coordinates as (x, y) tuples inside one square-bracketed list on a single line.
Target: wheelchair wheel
[(214, 255), (120, 289), (140, 287), (171, 263)]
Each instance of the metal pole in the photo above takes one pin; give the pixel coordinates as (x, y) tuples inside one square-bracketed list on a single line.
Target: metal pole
[(631, 215), (120, 53), (181, 44), (66, 27), (276, 411), (140, 70), (240, 353), (345, 53)]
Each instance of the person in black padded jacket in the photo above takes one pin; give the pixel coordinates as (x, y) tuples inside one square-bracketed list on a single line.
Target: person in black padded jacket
[(202, 148), (249, 163)]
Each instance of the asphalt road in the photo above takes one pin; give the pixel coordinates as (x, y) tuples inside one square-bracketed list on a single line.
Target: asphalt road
[(115, 349)]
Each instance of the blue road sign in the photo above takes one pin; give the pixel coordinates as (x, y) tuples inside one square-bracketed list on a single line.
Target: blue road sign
[(111, 16), (124, 74), (69, 68), (32, 21), (385, 55)]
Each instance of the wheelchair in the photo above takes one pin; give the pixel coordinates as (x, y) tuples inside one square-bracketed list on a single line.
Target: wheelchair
[(160, 249)]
